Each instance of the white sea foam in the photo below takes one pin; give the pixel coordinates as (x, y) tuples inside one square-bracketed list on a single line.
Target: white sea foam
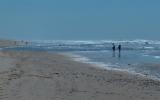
[(99, 44), (145, 55), (83, 59), (97, 41), (149, 47), (157, 57), (102, 65)]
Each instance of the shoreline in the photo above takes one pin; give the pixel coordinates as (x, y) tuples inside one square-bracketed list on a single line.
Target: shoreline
[(103, 66), (46, 76)]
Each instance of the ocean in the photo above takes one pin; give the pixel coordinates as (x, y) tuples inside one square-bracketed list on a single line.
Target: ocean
[(136, 57)]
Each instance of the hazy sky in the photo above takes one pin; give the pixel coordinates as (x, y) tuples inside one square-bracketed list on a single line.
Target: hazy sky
[(80, 19)]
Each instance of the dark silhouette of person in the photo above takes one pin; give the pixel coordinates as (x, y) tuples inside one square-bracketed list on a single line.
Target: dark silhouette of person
[(146, 43), (15, 42), (26, 43), (119, 49), (113, 48)]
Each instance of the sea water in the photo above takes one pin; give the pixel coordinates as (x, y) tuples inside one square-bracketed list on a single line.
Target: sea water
[(136, 56)]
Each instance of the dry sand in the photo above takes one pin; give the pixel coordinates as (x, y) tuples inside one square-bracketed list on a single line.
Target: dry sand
[(44, 76), (11, 43)]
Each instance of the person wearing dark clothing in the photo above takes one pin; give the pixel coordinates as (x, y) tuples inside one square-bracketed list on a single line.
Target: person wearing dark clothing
[(113, 47), (119, 49)]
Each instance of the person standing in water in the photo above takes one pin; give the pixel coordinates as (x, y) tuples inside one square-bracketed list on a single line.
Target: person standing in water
[(119, 49), (113, 48)]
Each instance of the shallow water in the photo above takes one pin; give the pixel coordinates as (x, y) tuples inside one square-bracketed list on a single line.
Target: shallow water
[(133, 61)]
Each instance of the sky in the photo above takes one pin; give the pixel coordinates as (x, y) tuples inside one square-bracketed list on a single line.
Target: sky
[(79, 19)]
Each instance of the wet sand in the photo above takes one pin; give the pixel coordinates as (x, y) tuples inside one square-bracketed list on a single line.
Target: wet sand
[(44, 76)]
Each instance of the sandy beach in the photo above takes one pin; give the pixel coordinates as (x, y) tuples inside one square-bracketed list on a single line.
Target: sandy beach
[(12, 43), (44, 76)]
